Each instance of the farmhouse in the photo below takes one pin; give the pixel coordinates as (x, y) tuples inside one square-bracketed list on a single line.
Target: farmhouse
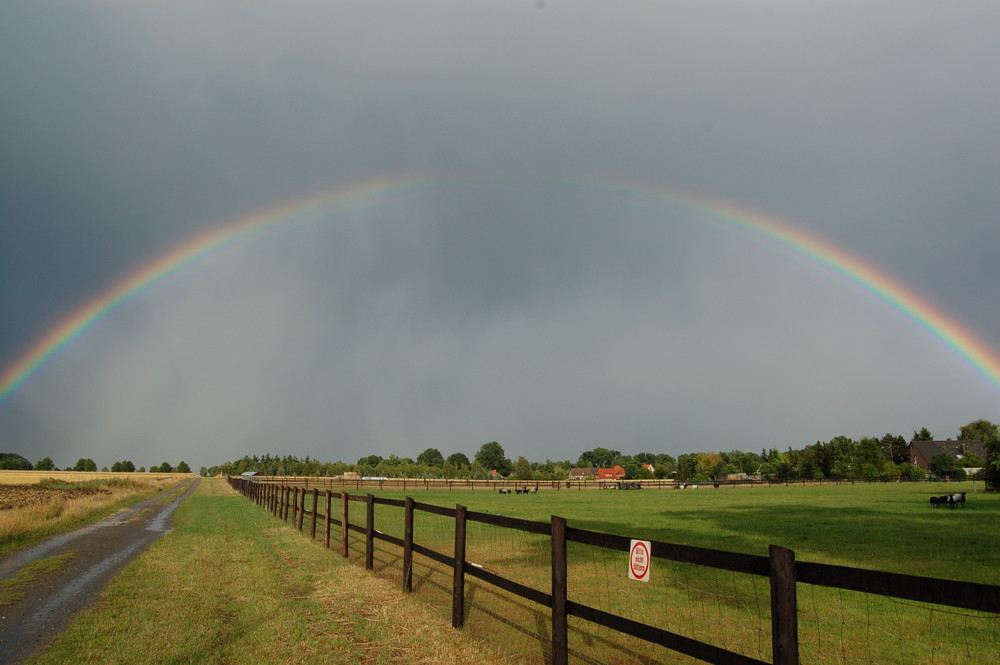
[(577, 473), (614, 473), (922, 452)]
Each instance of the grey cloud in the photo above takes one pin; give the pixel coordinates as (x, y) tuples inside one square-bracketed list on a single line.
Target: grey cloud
[(512, 296)]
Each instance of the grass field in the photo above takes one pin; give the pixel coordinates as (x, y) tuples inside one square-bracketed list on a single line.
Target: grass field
[(889, 527), (233, 585), (881, 526)]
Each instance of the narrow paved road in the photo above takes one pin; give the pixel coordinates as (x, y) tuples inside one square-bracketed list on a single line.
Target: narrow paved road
[(100, 551)]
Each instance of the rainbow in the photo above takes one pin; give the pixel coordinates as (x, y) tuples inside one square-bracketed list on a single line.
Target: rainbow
[(940, 325), (945, 328), (87, 315)]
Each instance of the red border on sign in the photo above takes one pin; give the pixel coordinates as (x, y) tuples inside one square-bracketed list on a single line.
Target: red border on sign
[(631, 560)]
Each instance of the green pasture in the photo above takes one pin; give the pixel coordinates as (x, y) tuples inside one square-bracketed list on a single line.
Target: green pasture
[(880, 526), (888, 527)]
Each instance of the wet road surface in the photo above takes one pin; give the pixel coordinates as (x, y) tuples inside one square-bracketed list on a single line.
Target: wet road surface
[(99, 552)]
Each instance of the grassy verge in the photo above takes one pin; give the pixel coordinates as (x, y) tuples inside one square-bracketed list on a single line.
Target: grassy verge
[(232, 585), (66, 509)]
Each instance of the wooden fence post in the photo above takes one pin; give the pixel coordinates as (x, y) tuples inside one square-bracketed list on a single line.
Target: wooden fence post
[(408, 545), (560, 626), (295, 507), (370, 533), (784, 612), (344, 528), (458, 587), (326, 539), (302, 509), (312, 532)]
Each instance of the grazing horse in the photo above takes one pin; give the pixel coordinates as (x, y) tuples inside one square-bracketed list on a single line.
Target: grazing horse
[(935, 501), (957, 500)]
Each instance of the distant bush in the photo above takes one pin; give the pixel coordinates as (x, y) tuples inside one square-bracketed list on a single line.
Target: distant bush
[(911, 471)]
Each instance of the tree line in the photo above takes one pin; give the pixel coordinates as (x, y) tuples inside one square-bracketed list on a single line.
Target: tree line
[(841, 457), (20, 463)]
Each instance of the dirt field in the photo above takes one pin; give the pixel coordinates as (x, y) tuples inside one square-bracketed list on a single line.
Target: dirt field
[(17, 496)]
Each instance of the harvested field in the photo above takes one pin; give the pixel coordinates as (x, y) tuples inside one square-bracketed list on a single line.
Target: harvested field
[(30, 512), (20, 496), (8, 477)]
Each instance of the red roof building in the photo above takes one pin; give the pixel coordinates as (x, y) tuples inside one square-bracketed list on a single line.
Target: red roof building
[(614, 473)]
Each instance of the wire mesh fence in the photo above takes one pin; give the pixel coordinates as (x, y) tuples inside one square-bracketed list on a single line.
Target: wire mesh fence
[(843, 627)]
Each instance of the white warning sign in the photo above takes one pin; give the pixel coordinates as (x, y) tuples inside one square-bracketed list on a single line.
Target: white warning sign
[(639, 560)]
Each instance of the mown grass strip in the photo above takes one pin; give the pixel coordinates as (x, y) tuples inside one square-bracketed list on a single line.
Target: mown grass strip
[(11, 589), (231, 584)]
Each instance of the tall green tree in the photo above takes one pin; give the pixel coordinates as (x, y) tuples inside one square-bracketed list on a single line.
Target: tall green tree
[(989, 434), (491, 457), (431, 457), (980, 430), (459, 460), (14, 462), (182, 467), (923, 435), (522, 468), (666, 465), (895, 448), (943, 463), (85, 465), (599, 457), (870, 458), (45, 464), (687, 467)]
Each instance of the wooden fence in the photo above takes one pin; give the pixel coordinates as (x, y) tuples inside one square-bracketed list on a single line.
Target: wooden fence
[(407, 484), (295, 504)]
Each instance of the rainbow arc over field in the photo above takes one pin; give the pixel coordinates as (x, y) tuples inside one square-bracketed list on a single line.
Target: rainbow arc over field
[(949, 331)]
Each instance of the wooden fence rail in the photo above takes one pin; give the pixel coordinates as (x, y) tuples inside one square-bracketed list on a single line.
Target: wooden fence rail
[(407, 484), (780, 567)]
